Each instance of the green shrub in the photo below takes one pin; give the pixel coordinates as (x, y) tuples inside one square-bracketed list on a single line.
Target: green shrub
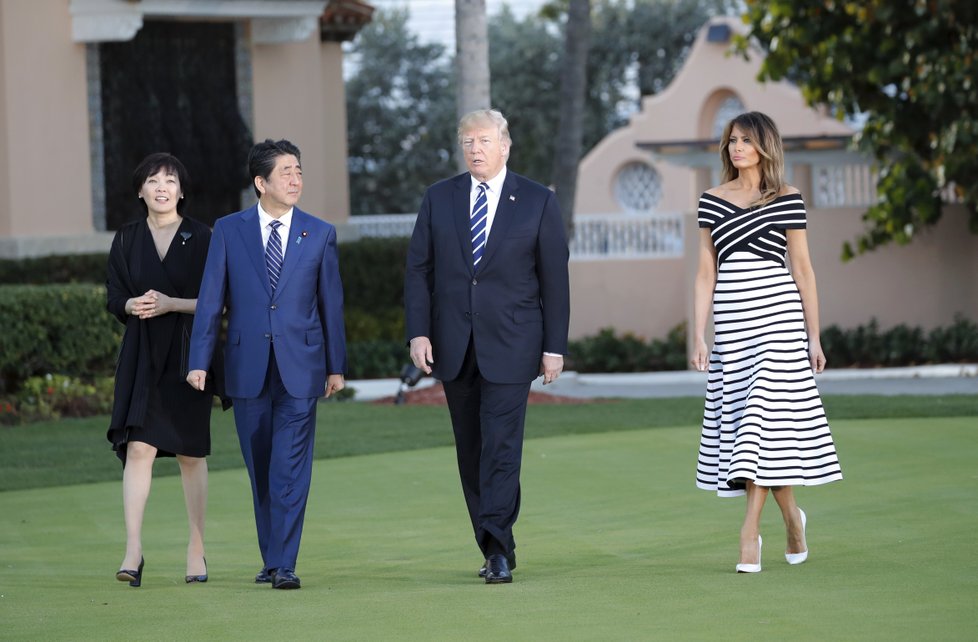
[(61, 329), (608, 352), (371, 325), (376, 359), (956, 343), (867, 346), (373, 273), (67, 268), (56, 396)]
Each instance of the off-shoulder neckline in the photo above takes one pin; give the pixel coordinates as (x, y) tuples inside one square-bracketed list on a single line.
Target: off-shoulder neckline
[(744, 209)]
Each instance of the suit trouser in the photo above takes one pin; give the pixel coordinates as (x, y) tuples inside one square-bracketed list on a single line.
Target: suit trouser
[(488, 420), (276, 432)]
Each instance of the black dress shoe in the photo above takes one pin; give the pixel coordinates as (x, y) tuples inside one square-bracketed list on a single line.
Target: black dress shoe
[(497, 570), (509, 558), (190, 579), (264, 577), (135, 578), (285, 579)]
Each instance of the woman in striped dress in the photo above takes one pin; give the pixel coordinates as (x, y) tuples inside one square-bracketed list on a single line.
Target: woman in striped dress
[(764, 429)]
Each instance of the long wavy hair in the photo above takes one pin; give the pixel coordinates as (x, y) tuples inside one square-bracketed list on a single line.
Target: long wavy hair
[(766, 139)]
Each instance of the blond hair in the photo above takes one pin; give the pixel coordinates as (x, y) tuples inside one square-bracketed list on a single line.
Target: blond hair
[(485, 118)]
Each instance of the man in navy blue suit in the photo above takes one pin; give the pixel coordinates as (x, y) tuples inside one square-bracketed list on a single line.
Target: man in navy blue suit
[(275, 268), (487, 307)]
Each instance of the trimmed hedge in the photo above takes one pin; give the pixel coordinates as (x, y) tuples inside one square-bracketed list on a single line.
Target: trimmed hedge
[(608, 352), (866, 346), (372, 271), (69, 268), (61, 329)]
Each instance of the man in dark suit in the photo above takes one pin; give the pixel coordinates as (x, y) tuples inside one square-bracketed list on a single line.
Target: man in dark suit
[(487, 307), (276, 270)]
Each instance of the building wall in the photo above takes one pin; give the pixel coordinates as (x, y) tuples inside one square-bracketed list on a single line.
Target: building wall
[(44, 149), (295, 97), (644, 297), (45, 167)]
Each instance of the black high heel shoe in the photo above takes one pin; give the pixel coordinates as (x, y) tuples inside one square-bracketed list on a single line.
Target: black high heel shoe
[(190, 579), (135, 578)]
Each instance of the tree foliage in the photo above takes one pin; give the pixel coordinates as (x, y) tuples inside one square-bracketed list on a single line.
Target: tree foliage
[(401, 114), (910, 67), (401, 106)]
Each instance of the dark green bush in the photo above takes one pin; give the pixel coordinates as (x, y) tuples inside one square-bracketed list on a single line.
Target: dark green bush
[(376, 359), (369, 325), (68, 268), (956, 343), (607, 352), (55, 329), (373, 273), (867, 346)]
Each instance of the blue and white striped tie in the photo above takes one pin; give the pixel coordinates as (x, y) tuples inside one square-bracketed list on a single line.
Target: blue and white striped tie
[(273, 254), (477, 222)]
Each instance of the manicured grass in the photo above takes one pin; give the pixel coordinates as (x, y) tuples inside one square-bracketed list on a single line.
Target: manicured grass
[(615, 543), (74, 451)]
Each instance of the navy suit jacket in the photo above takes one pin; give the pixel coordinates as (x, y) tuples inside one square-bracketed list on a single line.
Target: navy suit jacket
[(515, 306), (304, 315)]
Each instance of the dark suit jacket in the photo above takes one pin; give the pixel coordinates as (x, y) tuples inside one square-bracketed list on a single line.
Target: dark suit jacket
[(515, 306), (304, 316)]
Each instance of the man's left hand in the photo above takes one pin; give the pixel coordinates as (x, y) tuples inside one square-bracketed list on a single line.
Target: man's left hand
[(334, 383), (550, 367)]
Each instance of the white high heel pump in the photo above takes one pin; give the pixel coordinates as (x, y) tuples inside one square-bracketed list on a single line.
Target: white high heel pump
[(798, 558), (752, 568)]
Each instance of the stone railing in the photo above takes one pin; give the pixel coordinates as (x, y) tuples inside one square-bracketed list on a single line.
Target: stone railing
[(383, 225), (596, 236), (627, 236), (837, 185), (853, 185)]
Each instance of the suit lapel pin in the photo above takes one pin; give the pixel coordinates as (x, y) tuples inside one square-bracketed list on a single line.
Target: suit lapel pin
[(186, 236), (301, 236), (512, 198)]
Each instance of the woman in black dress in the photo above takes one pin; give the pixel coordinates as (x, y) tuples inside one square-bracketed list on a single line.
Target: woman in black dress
[(154, 272)]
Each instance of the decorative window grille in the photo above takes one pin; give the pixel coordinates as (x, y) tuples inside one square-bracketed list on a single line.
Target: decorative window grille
[(638, 187), (728, 109)]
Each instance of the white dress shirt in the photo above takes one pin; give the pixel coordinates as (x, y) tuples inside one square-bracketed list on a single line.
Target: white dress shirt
[(286, 220)]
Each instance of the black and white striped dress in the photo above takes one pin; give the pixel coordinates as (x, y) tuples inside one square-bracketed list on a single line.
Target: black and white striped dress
[(763, 418)]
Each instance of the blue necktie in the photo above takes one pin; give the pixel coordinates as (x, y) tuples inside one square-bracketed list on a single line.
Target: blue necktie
[(273, 254), (477, 222)]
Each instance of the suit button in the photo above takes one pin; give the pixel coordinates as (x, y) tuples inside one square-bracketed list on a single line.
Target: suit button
[(468, 315), (475, 281), (268, 336), (274, 307)]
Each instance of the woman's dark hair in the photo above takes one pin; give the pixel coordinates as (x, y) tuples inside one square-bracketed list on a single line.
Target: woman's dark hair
[(261, 158), (153, 164)]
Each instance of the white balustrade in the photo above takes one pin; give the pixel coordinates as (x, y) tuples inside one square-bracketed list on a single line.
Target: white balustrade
[(596, 236)]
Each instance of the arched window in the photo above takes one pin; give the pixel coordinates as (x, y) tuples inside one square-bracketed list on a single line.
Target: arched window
[(728, 109), (638, 187)]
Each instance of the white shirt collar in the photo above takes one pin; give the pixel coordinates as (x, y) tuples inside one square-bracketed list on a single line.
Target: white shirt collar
[(495, 183), (265, 218)]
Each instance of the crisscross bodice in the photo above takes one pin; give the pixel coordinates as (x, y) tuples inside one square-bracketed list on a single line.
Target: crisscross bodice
[(758, 230)]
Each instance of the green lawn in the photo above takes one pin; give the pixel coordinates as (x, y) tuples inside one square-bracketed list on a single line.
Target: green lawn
[(615, 543), (70, 451)]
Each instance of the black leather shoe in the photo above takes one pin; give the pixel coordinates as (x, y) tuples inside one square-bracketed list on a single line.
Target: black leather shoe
[(509, 558), (190, 579), (135, 578), (264, 577), (497, 570), (285, 579)]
